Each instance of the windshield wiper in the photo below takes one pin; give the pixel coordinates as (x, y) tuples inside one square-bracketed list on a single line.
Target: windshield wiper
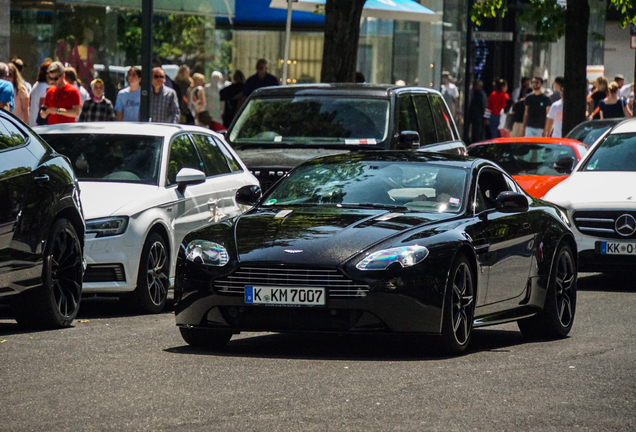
[(377, 206)]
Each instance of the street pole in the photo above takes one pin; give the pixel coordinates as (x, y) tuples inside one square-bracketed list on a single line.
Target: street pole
[(290, 3), (146, 59), (468, 74)]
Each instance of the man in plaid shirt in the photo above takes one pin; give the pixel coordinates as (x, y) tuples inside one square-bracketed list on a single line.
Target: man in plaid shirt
[(98, 108), (164, 105)]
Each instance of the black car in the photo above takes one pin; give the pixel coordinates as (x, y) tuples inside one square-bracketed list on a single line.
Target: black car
[(381, 242), (279, 127), (41, 229)]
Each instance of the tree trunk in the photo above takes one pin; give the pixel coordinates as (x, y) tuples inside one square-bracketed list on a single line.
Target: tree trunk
[(342, 34), (575, 74)]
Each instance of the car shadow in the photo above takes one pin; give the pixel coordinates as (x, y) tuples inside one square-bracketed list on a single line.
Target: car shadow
[(607, 282), (354, 347)]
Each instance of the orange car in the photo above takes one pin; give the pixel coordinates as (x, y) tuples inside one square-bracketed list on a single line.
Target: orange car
[(537, 164)]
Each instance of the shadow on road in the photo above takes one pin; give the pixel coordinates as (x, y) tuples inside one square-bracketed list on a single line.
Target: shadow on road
[(607, 282), (354, 347)]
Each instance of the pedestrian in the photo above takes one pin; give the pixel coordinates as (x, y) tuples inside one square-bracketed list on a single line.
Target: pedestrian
[(97, 108), (71, 78), (523, 83), (62, 102), (37, 95), (6, 89), (598, 93), (20, 94), (613, 106), (212, 96), (506, 118), (260, 79), (164, 104), (205, 120), (496, 103), (554, 119), (476, 110), (518, 112), (20, 65), (183, 80), (231, 95), (197, 95), (129, 99), (557, 85), (623, 89), (537, 106), (450, 93)]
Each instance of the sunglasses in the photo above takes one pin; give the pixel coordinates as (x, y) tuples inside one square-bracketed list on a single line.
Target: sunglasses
[(159, 76), (55, 78)]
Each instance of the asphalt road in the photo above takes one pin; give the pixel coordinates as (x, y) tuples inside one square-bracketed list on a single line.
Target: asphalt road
[(117, 372)]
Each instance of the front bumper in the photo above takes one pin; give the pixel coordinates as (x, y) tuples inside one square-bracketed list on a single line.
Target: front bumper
[(591, 260), (106, 258)]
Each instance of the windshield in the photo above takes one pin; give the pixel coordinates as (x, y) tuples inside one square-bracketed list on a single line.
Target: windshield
[(311, 120), (589, 132), (616, 153), (524, 158), (409, 186), (111, 158)]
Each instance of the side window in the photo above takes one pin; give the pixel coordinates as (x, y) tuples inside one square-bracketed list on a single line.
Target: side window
[(442, 118), (428, 135), (182, 155), (406, 114), (10, 135), (231, 160), (214, 161), (489, 185)]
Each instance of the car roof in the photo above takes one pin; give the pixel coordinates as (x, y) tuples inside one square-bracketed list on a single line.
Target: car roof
[(341, 89), (120, 128), (626, 126), (529, 140)]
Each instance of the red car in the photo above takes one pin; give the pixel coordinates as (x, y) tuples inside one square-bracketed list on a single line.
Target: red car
[(537, 164)]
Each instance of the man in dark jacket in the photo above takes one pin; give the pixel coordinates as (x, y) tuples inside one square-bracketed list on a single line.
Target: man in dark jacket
[(476, 110)]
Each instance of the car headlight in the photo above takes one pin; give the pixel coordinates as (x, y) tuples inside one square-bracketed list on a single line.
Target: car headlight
[(407, 256), (106, 227), (207, 252)]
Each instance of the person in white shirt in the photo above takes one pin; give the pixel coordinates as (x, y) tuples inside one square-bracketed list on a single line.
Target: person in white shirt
[(624, 90), (449, 93), (554, 119)]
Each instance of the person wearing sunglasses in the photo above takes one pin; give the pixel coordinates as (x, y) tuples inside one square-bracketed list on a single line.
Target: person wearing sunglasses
[(164, 103), (6, 89), (62, 103)]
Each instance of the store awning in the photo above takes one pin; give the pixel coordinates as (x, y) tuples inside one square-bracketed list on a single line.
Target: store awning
[(258, 15), (401, 10), (223, 8)]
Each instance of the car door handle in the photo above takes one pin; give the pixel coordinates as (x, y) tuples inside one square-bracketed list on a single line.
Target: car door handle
[(41, 178), (525, 226)]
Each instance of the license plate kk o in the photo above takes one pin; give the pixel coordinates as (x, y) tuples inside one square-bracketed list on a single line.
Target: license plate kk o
[(283, 296), (613, 248)]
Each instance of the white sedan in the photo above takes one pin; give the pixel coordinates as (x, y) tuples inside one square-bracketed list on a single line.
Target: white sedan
[(600, 198), (144, 186)]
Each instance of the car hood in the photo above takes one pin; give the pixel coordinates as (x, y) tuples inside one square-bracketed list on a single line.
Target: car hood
[(595, 189), (282, 158), (538, 185), (102, 199), (329, 236)]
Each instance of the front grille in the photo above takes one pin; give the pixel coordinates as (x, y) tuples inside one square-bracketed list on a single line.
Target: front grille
[(337, 285), (267, 178), (601, 223), (104, 273)]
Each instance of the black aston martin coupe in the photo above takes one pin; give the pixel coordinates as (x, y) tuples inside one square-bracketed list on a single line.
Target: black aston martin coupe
[(381, 242)]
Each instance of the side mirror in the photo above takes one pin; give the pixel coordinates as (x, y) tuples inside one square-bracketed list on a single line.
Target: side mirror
[(564, 165), (408, 140), (248, 195), (511, 202), (189, 176)]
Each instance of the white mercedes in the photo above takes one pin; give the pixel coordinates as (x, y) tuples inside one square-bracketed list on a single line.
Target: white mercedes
[(144, 186), (600, 198)]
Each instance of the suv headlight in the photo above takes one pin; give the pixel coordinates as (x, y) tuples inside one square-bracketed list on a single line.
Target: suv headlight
[(106, 227), (407, 256), (207, 252)]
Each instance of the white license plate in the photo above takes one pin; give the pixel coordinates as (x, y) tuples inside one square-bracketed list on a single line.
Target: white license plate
[(284, 296), (615, 248)]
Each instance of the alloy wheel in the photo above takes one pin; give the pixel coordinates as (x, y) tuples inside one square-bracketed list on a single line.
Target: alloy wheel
[(66, 272), (157, 279), (565, 276), (462, 299)]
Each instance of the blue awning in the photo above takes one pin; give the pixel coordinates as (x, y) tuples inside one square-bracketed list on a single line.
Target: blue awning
[(257, 14)]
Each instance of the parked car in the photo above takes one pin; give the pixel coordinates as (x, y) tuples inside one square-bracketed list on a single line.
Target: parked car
[(537, 164), (144, 186), (381, 242), (600, 199), (279, 127), (41, 229), (588, 132)]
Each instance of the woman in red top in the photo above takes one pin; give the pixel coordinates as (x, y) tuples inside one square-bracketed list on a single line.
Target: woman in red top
[(497, 102)]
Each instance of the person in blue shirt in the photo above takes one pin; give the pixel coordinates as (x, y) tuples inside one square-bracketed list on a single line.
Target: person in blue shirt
[(129, 99), (6, 89)]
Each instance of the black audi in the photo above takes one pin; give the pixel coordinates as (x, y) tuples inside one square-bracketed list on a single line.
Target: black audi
[(382, 242)]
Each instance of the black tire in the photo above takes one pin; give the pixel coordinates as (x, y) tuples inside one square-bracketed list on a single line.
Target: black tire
[(153, 276), (557, 317), (205, 338), (459, 307), (55, 304)]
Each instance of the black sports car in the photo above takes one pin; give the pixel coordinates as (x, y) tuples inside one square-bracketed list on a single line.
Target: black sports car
[(41, 229), (381, 242)]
